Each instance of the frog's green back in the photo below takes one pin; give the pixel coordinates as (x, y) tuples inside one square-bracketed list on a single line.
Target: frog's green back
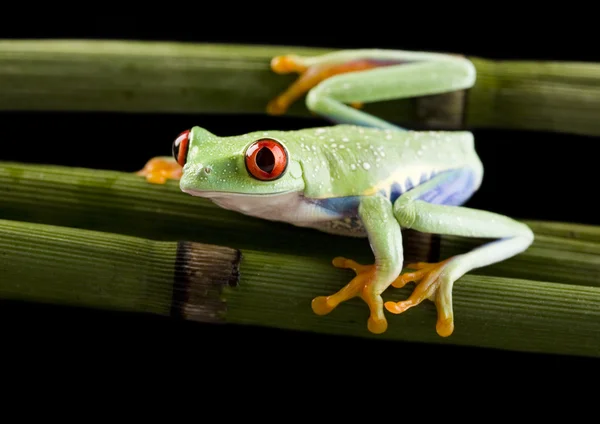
[(325, 162), (347, 160)]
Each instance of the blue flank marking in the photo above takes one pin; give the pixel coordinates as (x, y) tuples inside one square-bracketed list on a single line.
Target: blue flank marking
[(346, 206), (453, 191), (396, 191)]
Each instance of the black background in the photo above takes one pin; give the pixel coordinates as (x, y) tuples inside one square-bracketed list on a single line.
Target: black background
[(529, 175)]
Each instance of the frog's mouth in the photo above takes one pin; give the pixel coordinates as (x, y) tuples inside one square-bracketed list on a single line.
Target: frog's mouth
[(214, 195)]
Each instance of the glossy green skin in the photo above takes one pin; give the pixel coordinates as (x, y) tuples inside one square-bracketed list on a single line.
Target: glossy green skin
[(337, 161), (357, 163)]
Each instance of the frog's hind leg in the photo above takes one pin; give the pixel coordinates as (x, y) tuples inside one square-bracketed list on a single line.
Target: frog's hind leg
[(337, 81), (312, 72), (434, 208)]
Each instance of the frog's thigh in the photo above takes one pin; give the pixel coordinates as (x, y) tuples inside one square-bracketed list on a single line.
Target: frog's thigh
[(450, 188), (331, 97), (435, 207), (398, 81)]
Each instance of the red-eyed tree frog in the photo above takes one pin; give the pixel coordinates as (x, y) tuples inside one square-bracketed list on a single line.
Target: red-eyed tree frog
[(361, 177)]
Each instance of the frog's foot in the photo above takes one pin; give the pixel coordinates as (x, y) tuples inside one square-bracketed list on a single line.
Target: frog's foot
[(361, 286), (161, 168), (433, 283), (310, 76), (287, 64)]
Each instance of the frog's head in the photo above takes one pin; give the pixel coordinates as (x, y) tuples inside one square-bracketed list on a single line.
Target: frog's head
[(250, 164)]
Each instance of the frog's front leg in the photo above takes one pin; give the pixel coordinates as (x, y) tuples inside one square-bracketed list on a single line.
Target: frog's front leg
[(159, 169), (335, 80), (371, 281), (416, 210)]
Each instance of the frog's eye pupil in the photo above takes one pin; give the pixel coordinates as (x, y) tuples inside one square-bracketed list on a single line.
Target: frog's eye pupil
[(180, 147), (266, 159)]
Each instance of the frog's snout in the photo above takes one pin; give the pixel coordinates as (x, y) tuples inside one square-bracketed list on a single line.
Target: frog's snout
[(199, 171)]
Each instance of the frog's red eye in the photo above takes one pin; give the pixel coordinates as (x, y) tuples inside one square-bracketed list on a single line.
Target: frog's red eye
[(266, 159), (180, 147)]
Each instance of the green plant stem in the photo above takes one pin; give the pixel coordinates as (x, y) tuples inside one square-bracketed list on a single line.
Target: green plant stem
[(124, 203), (132, 76), (207, 283), (551, 257), (87, 269), (129, 76), (536, 95)]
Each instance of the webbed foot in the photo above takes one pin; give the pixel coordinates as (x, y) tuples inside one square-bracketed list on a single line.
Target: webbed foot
[(361, 286), (161, 168), (434, 282), (310, 76)]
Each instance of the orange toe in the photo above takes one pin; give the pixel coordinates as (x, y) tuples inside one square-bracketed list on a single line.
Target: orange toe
[(159, 169)]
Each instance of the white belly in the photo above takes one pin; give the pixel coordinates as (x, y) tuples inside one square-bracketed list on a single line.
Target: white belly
[(287, 207)]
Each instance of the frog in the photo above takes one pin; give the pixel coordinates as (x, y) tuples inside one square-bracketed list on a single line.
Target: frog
[(360, 176)]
